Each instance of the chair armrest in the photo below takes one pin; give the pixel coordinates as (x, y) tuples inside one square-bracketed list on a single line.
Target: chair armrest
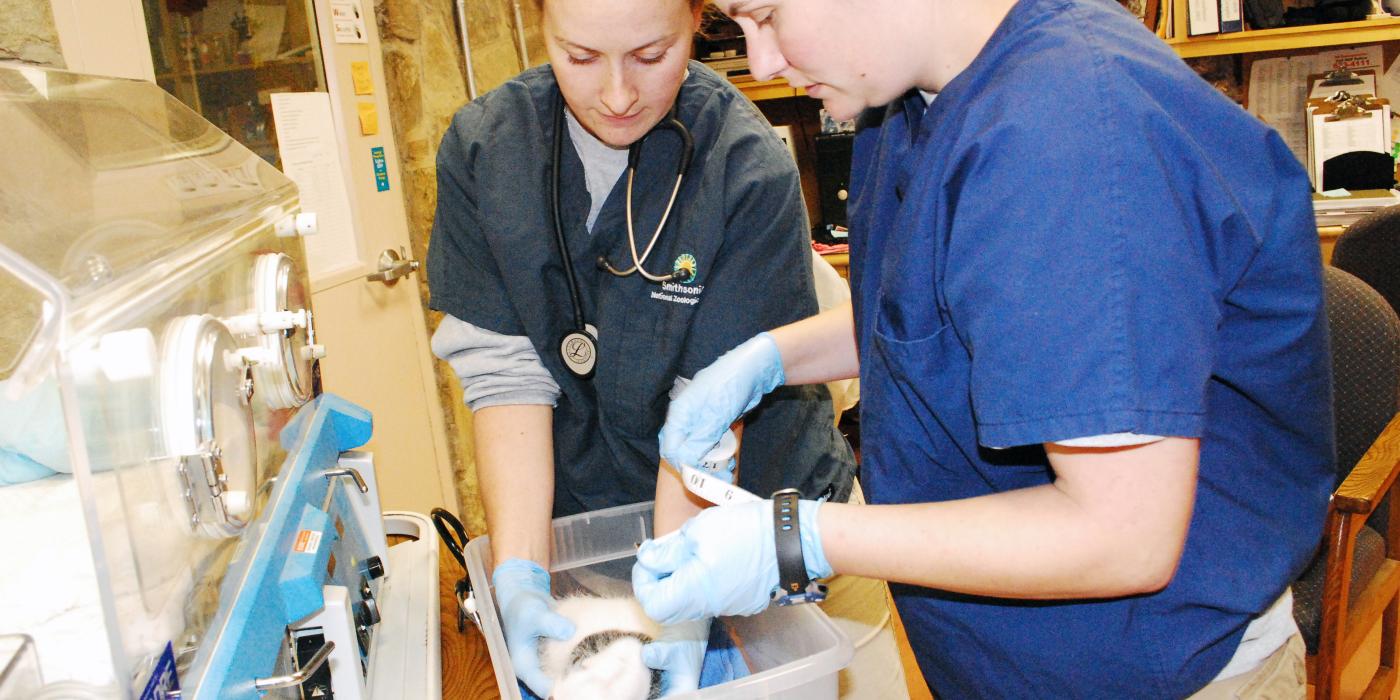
[(1373, 476)]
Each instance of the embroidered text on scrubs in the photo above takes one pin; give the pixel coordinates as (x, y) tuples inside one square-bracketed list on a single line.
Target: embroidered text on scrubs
[(679, 293)]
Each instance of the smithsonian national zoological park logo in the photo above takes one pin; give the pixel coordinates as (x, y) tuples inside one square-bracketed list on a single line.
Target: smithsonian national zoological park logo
[(685, 291), (686, 262)]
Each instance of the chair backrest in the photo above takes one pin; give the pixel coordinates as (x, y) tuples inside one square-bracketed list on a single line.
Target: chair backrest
[(1370, 249), (1365, 336)]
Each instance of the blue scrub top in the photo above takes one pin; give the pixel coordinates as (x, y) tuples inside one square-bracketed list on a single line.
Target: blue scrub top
[(1080, 237), (739, 219)]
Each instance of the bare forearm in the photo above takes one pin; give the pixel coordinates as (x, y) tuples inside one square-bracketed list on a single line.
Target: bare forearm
[(515, 465), (1121, 536), (821, 348), (674, 503)]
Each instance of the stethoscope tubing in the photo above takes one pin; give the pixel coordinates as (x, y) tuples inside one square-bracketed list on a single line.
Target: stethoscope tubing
[(655, 236), (634, 153), (575, 304)]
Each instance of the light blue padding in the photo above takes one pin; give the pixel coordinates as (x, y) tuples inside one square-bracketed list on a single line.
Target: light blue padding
[(353, 425), (31, 428), (252, 617), (16, 468), (305, 567)]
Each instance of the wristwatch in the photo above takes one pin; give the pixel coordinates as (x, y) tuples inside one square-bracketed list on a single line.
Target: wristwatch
[(794, 586)]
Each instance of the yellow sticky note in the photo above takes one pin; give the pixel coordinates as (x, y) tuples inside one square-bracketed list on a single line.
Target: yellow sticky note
[(369, 119), (359, 75)]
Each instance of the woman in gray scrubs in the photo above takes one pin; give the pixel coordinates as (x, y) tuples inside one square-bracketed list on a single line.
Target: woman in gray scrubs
[(549, 443)]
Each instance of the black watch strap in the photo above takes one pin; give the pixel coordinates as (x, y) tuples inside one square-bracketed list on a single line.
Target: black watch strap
[(794, 586)]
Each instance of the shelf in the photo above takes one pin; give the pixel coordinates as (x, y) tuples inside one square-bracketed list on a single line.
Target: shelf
[(774, 89), (215, 70), (1284, 38)]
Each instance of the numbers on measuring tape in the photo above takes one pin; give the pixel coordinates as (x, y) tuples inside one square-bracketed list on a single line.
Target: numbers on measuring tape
[(714, 490)]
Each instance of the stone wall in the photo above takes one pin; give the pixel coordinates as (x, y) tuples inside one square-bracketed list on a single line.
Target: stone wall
[(423, 67), (27, 33)]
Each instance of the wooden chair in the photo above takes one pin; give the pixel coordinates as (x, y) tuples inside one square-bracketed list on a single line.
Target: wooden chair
[(1355, 579)]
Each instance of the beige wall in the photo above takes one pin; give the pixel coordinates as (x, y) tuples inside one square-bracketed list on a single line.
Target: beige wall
[(27, 33), (423, 67)]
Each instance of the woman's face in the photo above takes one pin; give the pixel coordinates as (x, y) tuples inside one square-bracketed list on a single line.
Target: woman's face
[(619, 63)]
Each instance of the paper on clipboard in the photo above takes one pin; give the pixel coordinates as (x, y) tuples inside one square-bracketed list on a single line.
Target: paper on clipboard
[(1333, 134), (1389, 86), (1278, 91), (1352, 59), (311, 158)]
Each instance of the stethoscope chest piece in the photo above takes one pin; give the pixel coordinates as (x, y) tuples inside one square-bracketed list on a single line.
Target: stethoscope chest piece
[(579, 350)]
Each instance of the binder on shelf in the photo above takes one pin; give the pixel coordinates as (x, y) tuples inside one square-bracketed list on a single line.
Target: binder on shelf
[(1231, 16), (1349, 143), (1203, 17)]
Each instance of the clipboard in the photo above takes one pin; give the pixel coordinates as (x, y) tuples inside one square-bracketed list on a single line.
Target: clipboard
[(1353, 82), (1346, 124)]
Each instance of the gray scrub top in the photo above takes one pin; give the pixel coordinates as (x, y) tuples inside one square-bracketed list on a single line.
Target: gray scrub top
[(739, 217)]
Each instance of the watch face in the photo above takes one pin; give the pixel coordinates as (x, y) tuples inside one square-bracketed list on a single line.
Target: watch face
[(207, 421)]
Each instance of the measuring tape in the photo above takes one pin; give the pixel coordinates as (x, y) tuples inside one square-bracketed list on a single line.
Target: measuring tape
[(703, 482), (716, 491)]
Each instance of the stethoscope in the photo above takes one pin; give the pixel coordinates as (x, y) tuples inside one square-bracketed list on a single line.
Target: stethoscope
[(579, 347)]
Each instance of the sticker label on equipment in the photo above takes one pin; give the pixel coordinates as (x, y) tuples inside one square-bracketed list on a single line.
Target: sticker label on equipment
[(308, 541), (164, 682)]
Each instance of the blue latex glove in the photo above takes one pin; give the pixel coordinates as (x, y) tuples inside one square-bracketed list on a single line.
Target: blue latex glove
[(721, 562), (527, 613), (679, 654), (719, 394)]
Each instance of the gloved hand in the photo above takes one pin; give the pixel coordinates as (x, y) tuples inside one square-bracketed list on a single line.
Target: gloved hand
[(718, 395), (679, 654), (527, 613), (721, 562)]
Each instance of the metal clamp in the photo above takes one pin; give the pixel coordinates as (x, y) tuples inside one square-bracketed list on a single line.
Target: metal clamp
[(301, 675), (350, 472)]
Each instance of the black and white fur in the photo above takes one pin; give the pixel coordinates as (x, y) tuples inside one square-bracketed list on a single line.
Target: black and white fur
[(603, 660)]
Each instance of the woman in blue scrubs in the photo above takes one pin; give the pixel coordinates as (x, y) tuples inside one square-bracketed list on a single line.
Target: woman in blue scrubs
[(549, 443), (1089, 329)]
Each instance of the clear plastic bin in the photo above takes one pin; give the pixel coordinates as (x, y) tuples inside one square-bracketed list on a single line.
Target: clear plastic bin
[(19, 667), (793, 652)]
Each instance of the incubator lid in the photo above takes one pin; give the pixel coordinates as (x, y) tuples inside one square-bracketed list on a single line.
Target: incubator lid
[(109, 185)]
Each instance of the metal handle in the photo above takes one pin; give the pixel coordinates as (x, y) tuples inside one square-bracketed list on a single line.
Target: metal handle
[(300, 675), (350, 472), (393, 266)]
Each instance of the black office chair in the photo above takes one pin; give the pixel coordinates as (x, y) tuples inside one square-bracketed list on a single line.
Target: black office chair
[(1356, 575), (1370, 249)]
